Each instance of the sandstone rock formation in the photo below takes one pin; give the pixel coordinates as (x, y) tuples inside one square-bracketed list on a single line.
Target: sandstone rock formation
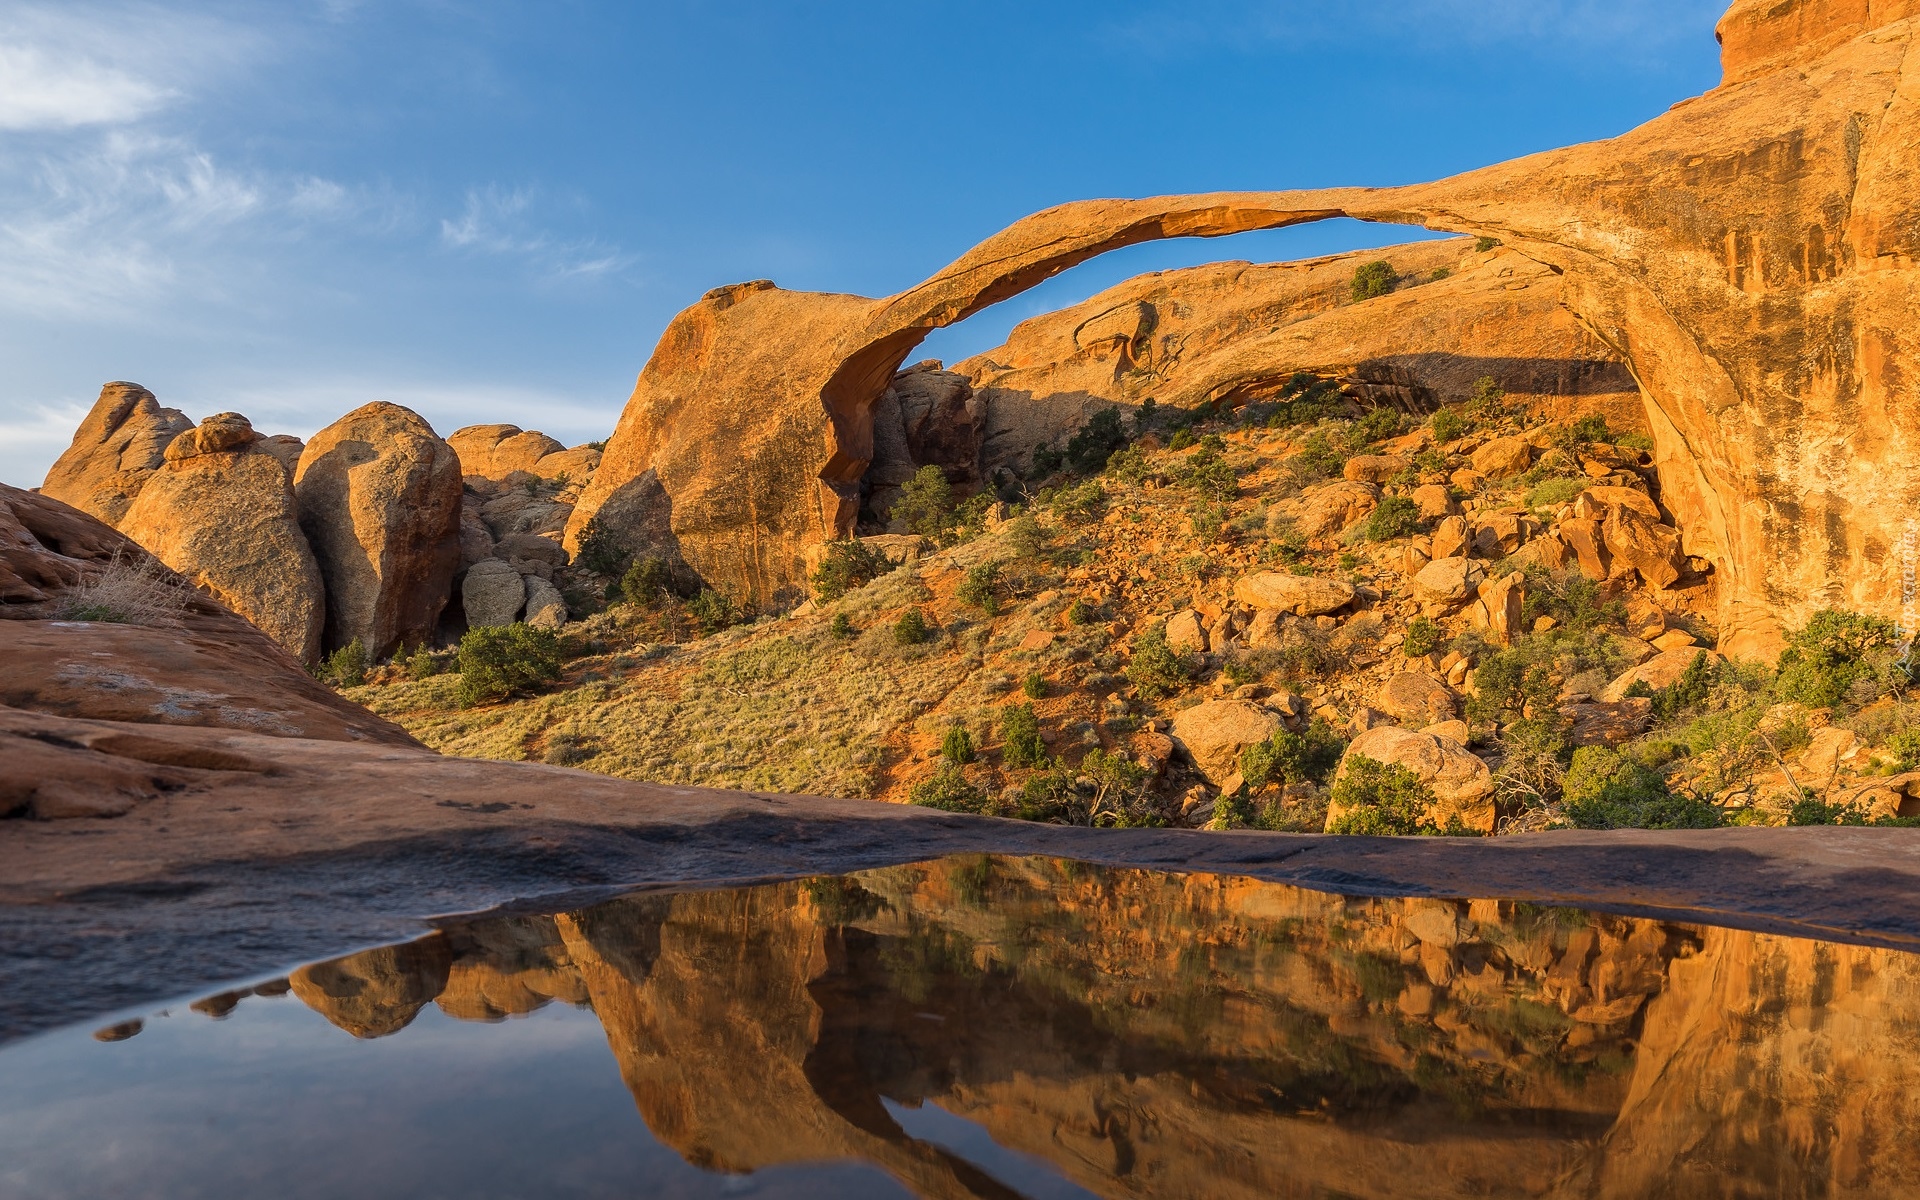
[(1237, 331), (1303, 595), (379, 499), (1747, 254), (493, 452), (191, 663), (221, 511), (118, 446), (927, 417)]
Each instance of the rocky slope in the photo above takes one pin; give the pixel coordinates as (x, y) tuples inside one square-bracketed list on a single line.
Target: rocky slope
[(1747, 254)]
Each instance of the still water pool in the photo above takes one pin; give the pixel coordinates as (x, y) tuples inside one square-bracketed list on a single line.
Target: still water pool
[(1005, 1027)]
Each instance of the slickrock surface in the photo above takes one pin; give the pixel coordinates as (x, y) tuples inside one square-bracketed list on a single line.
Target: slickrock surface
[(1748, 253)]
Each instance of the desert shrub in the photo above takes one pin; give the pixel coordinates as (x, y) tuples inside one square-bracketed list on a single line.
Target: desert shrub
[(1048, 796), (1021, 744), (646, 581), (1393, 517), (1905, 746), (1381, 799), (1304, 650), (1080, 612), (1575, 602), (568, 750), (978, 588), (1373, 279), (1483, 244), (712, 611), (926, 504), (1046, 461), (1095, 442), (1207, 475), (1440, 273), (1376, 426), (1076, 505), (911, 628), (957, 746), (1119, 785), (1689, 691), (423, 664), (847, 565), (1318, 459), (599, 552), (1182, 438), (345, 667), (505, 660), (1489, 399), (1606, 789), (1293, 757), (948, 789), (1129, 465), (1156, 668), (1034, 686), (1025, 537), (1509, 680), (135, 590), (841, 626), (1553, 493), (1836, 653), (1423, 636), (1447, 426)]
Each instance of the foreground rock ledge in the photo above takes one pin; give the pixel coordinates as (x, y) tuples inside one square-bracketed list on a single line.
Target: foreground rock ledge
[(283, 850)]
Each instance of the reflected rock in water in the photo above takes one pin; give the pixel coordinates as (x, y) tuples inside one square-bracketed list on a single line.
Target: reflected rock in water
[(1203, 1036)]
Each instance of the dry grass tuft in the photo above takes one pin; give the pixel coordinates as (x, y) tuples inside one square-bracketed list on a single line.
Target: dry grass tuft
[(128, 591)]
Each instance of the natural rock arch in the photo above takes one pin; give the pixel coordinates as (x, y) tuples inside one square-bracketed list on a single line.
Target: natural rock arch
[(1749, 254)]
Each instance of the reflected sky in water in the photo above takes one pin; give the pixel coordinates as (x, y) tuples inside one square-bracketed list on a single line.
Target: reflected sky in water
[(980, 1027)]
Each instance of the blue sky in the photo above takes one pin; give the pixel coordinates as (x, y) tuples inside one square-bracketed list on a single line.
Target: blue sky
[(489, 211)]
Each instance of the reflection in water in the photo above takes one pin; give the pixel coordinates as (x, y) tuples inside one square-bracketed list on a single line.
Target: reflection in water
[(983, 1027)]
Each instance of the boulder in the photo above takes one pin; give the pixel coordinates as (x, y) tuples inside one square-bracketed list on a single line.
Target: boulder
[(1500, 606), (1331, 509), (380, 498), (546, 607), (476, 540), (1304, 595), (1548, 551), (1455, 729), (1213, 734), (286, 448), (532, 548), (1596, 502), (1450, 538), (1374, 468), (1657, 672), (1435, 501), (492, 593), (221, 512), (1583, 538), (496, 451), (1608, 723), (576, 465), (1649, 548), (1184, 632), (1673, 639), (1462, 785), (1503, 457), (120, 443), (1415, 698), (1448, 581)]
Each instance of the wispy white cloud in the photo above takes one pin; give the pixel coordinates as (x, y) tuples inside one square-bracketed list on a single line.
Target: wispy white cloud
[(107, 224), (498, 220), (31, 437), (78, 64)]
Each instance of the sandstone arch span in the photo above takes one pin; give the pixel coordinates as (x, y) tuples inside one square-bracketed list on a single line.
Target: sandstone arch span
[(1750, 254)]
